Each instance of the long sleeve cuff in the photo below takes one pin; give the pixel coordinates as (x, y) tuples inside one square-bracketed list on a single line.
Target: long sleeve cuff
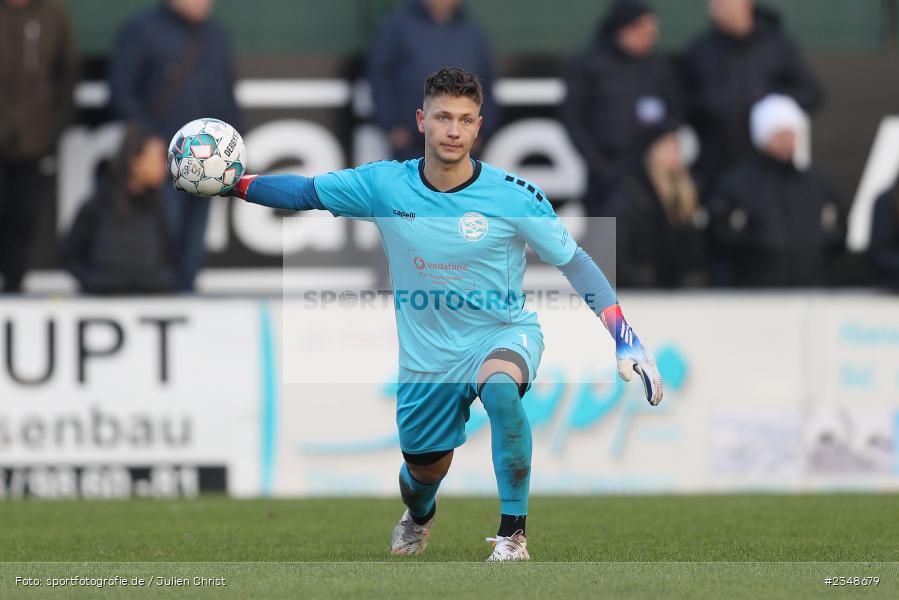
[(589, 281)]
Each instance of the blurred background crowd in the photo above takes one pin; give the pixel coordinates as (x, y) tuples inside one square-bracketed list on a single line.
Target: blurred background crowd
[(701, 150)]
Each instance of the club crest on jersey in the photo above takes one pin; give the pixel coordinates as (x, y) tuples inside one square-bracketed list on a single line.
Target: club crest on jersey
[(473, 226)]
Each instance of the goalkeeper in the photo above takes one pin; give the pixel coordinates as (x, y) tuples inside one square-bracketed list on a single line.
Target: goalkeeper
[(454, 230)]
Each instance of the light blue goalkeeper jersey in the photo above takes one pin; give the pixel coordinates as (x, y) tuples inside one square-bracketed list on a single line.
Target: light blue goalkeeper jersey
[(457, 258)]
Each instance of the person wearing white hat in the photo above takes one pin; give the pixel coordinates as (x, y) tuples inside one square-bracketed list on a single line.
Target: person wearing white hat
[(776, 125), (772, 223)]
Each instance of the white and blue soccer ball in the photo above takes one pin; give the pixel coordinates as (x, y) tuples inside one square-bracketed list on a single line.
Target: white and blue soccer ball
[(206, 157)]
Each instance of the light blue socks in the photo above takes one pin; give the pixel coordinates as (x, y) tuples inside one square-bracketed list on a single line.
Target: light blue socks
[(418, 496), (510, 434)]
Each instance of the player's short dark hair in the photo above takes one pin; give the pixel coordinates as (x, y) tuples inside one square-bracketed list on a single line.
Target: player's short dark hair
[(454, 82)]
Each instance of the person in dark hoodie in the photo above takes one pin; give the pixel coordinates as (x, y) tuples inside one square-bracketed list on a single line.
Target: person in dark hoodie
[(171, 65), (773, 224), (742, 58), (424, 36), (660, 225), (617, 87), (883, 251), (38, 70), (118, 243)]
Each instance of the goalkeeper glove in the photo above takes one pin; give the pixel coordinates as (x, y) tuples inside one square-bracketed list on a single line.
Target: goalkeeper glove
[(632, 356)]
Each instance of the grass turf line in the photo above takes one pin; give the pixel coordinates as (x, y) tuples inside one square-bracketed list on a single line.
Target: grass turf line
[(706, 545)]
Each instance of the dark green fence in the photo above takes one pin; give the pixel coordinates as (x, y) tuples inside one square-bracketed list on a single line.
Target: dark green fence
[(515, 26)]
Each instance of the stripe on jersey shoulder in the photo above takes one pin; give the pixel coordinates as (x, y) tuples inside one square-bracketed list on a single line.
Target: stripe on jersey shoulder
[(528, 186)]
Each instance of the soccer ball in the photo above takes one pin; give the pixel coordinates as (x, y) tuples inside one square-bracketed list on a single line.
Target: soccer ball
[(206, 157)]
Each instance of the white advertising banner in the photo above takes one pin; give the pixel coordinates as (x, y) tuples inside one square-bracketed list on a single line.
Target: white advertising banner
[(115, 398), (852, 434), (780, 392), (125, 398)]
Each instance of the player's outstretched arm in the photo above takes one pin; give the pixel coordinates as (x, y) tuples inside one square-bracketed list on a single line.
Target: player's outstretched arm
[(288, 192), (590, 282)]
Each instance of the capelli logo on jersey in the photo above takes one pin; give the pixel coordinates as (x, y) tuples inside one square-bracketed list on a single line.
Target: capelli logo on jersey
[(473, 226), (408, 216)]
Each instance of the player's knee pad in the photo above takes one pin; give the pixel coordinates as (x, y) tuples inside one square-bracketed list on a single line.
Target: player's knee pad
[(424, 459), (516, 359)]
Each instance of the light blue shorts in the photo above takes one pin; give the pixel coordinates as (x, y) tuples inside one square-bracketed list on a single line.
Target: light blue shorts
[(432, 408)]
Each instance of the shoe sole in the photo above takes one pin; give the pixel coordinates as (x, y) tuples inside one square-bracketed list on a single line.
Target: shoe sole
[(422, 546), (510, 560), (526, 557)]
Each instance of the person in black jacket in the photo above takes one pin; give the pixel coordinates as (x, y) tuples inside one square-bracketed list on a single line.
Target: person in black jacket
[(38, 71), (742, 58), (422, 37), (118, 243), (883, 251), (772, 224), (171, 65), (617, 87), (660, 225)]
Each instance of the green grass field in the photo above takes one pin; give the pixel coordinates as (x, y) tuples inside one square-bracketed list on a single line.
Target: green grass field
[(749, 546)]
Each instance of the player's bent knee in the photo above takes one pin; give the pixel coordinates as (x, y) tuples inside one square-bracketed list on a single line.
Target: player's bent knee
[(508, 362), (429, 467), (427, 474)]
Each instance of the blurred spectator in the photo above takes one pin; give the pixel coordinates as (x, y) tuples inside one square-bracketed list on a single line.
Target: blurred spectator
[(660, 225), (619, 85), (422, 37), (744, 57), (773, 224), (883, 251), (171, 65), (119, 243), (38, 70)]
